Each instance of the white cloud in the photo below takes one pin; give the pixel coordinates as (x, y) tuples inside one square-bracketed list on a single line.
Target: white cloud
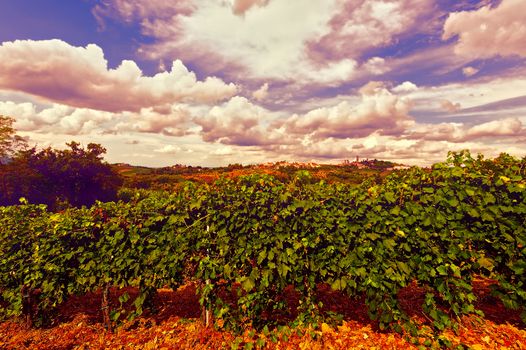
[(239, 7), (238, 122), (331, 74), (261, 93), (497, 128), (169, 149), (469, 71), (365, 24), (136, 10), (223, 151), (405, 87), (436, 132), (379, 111), (376, 65), (266, 43), (241, 123), (489, 31), (56, 118), (173, 120), (472, 94), (449, 106), (79, 76), (459, 133)]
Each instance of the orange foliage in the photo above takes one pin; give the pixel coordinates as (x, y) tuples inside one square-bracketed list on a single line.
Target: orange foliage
[(177, 326)]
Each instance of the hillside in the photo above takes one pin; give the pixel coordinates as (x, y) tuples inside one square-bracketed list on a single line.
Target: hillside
[(167, 177)]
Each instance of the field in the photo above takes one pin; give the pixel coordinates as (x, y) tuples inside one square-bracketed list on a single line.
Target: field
[(431, 257)]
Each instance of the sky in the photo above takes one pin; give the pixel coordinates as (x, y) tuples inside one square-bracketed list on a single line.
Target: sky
[(217, 82)]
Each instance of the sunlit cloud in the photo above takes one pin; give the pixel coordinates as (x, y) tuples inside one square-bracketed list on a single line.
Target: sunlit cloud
[(379, 111), (489, 31), (261, 93), (79, 76), (239, 7), (469, 71)]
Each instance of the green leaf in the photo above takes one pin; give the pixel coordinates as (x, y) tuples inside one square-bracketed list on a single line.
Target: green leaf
[(247, 283), (372, 236), (453, 202), (486, 263), (487, 217), (261, 256), (473, 212), (395, 211), (389, 243), (337, 285), (390, 197), (403, 267), (427, 221), (114, 315), (442, 270)]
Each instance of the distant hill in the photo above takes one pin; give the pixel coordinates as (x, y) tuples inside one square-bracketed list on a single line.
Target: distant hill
[(353, 172)]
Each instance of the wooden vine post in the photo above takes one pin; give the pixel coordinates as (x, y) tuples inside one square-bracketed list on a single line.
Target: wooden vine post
[(106, 307), (27, 305), (206, 307)]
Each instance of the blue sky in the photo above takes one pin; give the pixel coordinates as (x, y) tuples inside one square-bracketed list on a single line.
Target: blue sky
[(214, 82)]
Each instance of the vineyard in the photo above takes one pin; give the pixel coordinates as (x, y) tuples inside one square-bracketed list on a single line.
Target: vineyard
[(246, 242)]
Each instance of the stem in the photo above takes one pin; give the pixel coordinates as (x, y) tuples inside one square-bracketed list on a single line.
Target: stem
[(27, 305), (106, 307)]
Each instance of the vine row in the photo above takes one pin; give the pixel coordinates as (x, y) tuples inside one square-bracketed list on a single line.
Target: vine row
[(255, 236)]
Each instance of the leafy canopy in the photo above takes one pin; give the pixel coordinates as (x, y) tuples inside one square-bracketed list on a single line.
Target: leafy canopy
[(76, 176), (9, 140)]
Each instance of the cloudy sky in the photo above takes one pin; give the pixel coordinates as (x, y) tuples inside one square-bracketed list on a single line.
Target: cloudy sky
[(213, 82)]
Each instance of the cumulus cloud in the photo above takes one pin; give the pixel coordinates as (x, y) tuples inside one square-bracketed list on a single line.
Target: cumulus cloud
[(169, 149), (379, 111), (332, 73), (80, 77), (261, 93), (449, 106), (138, 10), (325, 47), (237, 122), (242, 123), (459, 132), (437, 132), (488, 97), (174, 120), (489, 31), (376, 65), (497, 128), (223, 151), (405, 87), (361, 25), (239, 7), (56, 118), (170, 121), (469, 71), (244, 47)]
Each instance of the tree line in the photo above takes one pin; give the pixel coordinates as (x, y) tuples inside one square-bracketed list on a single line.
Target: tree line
[(74, 176)]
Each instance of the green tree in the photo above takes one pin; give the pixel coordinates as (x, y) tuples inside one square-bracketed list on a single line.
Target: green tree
[(76, 176), (10, 142)]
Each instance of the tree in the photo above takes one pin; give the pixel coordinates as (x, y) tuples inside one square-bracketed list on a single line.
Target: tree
[(10, 142), (74, 176)]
